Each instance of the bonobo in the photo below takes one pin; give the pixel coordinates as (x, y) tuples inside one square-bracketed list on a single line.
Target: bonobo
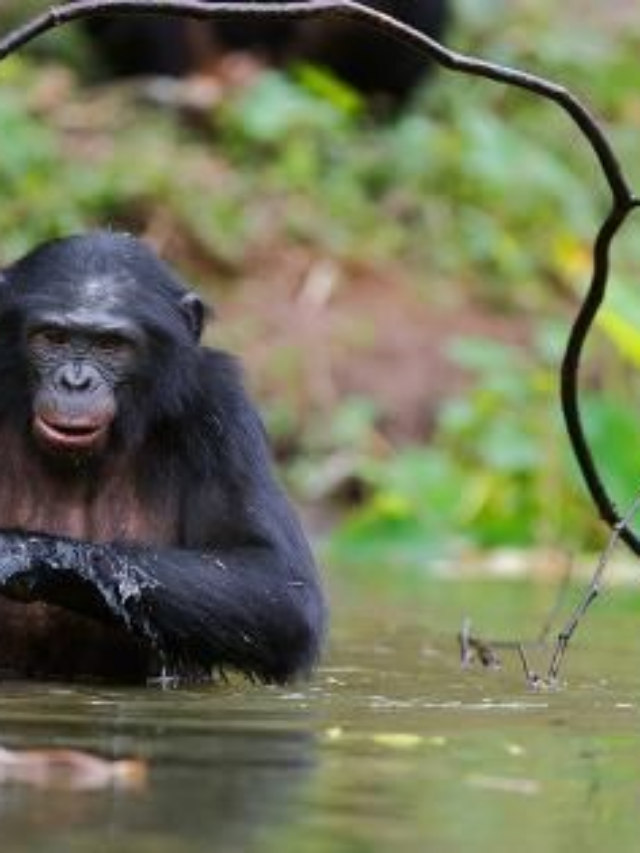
[(141, 528)]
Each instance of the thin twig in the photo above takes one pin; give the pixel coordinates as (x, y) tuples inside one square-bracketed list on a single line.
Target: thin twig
[(623, 200), (550, 681), (472, 646), (556, 607), (592, 592), (532, 677)]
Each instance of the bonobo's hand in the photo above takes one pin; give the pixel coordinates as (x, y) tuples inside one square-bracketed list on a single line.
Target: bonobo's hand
[(82, 576), (14, 555), (24, 574), (37, 567)]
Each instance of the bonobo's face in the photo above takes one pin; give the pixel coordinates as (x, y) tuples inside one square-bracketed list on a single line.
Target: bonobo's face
[(79, 360), (99, 345)]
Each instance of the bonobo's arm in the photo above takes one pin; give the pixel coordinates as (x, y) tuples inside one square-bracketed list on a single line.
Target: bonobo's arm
[(248, 608), (240, 591)]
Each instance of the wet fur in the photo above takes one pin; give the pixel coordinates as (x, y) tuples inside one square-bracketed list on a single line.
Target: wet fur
[(177, 548)]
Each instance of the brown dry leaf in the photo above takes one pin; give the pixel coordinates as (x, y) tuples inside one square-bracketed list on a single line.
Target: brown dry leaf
[(69, 769)]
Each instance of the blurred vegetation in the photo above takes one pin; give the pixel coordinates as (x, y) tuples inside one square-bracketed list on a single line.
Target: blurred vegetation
[(479, 193)]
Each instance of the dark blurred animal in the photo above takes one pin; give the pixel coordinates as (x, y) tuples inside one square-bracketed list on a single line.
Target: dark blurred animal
[(367, 59), (142, 531)]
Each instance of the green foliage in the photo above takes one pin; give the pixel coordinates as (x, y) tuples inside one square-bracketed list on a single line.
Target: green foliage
[(447, 176), (497, 470), (485, 189), (47, 191), (472, 182)]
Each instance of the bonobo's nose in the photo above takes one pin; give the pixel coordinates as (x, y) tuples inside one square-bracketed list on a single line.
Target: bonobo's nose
[(77, 377)]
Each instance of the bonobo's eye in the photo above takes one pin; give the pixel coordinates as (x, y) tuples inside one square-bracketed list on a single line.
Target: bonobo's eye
[(114, 344), (49, 336)]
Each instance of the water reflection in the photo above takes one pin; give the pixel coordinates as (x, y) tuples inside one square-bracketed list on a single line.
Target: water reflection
[(391, 747), (218, 777)]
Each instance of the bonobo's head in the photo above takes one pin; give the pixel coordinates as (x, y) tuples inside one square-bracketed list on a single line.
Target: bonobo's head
[(97, 341)]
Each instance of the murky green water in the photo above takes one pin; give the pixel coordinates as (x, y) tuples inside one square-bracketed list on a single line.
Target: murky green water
[(391, 747)]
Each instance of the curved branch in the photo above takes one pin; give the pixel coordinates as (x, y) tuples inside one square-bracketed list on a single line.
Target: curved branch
[(571, 366), (622, 197), (217, 9)]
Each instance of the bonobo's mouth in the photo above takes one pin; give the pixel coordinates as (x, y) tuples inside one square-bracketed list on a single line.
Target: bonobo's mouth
[(76, 436)]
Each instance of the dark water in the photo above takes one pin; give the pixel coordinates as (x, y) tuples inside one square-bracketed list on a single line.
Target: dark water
[(391, 747)]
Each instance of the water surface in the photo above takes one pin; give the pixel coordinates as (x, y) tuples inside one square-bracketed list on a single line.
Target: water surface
[(390, 747)]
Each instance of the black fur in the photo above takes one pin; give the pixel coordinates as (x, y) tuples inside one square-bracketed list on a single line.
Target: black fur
[(238, 588)]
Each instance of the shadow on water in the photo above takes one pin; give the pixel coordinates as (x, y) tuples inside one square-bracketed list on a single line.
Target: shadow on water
[(391, 747)]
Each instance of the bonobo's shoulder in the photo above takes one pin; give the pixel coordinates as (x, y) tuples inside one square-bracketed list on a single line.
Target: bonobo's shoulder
[(229, 407), (221, 370), (222, 378), (222, 363)]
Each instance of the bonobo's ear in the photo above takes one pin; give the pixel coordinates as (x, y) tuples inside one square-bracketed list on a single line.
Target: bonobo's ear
[(195, 313)]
